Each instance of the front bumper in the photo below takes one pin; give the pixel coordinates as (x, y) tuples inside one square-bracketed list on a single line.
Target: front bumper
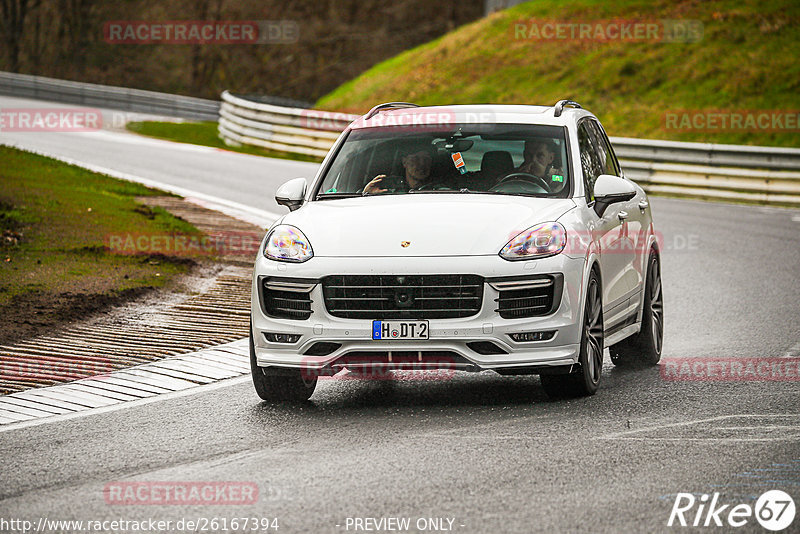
[(446, 335)]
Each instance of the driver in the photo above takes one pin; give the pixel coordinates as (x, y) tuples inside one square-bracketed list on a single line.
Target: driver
[(417, 167), (538, 157)]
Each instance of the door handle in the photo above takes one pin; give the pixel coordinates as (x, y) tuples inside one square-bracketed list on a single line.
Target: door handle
[(622, 215), (643, 205)]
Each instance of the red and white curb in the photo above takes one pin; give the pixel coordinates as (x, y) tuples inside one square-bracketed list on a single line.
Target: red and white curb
[(164, 377)]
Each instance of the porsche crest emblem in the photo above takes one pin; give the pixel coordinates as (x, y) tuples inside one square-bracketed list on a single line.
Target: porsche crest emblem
[(405, 244)]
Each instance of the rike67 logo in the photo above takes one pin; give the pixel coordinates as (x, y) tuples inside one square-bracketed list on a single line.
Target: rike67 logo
[(774, 510)]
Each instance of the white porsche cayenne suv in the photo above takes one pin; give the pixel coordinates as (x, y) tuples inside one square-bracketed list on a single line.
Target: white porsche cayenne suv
[(472, 238)]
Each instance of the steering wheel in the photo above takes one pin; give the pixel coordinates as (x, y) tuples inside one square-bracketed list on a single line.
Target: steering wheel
[(431, 186), (515, 176)]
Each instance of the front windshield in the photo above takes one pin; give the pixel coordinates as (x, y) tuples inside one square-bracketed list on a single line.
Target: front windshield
[(514, 159)]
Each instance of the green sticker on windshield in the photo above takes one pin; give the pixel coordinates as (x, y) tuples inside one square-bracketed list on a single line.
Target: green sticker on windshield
[(331, 190), (557, 178)]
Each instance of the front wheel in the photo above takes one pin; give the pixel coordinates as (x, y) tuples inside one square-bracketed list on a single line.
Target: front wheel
[(586, 379), (278, 383), (644, 348)]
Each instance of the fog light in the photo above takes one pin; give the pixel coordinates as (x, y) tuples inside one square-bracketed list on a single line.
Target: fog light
[(532, 336), (281, 338)]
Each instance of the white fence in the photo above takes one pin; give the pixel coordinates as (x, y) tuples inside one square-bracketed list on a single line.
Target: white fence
[(733, 172)]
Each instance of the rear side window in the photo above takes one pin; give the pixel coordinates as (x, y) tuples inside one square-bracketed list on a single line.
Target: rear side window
[(591, 164)]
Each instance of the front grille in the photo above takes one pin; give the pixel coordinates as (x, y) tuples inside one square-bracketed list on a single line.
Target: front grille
[(445, 296), (528, 297), (286, 298)]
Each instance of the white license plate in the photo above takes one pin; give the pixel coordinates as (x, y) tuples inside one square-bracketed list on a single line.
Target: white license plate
[(399, 329)]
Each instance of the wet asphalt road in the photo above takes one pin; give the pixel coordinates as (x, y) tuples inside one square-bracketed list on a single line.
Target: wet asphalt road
[(492, 453), (235, 177)]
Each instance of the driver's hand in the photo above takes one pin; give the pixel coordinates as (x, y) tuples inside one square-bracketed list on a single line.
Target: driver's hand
[(527, 169), (373, 187)]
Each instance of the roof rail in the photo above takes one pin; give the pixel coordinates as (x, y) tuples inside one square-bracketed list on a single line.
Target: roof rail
[(388, 105), (561, 104)]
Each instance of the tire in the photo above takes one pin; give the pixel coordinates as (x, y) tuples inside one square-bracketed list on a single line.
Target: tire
[(279, 383), (585, 380), (644, 348)]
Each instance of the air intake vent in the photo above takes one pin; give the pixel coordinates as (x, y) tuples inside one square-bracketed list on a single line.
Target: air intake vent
[(528, 297), (403, 296), (287, 298), (486, 348), (322, 348)]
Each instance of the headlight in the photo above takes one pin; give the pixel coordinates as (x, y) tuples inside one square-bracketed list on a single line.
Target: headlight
[(287, 243), (540, 241)]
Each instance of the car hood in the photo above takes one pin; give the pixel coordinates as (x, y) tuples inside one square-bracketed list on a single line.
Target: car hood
[(420, 224)]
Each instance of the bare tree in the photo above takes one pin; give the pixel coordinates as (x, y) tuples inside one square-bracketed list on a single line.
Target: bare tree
[(12, 24), (204, 59), (75, 28), (336, 40)]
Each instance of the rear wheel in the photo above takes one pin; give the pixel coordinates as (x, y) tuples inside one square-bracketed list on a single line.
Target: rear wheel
[(280, 383), (586, 379), (644, 348)]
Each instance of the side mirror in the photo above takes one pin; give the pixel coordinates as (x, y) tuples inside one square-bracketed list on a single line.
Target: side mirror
[(291, 193), (610, 189)]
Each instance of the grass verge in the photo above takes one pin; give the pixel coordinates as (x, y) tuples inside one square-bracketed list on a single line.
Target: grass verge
[(205, 133), (55, 265), (742, 62)]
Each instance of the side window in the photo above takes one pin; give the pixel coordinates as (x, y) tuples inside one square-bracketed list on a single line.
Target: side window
[(606, 155), (590, 163)]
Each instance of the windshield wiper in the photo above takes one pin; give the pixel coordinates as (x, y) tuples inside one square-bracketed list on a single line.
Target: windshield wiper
[(469, 191), (426, 191), (326, 196)]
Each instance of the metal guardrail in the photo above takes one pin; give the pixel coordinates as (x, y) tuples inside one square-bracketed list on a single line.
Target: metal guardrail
[(766, 175), (122, 98), (757, 157), (734, 172), (296, 130)]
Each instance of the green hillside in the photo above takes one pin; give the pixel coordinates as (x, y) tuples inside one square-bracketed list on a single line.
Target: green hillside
[(745, 62)]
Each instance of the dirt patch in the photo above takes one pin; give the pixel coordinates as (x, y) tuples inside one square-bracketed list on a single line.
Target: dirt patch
[(40, 313), (209, 306), (94, 320)]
